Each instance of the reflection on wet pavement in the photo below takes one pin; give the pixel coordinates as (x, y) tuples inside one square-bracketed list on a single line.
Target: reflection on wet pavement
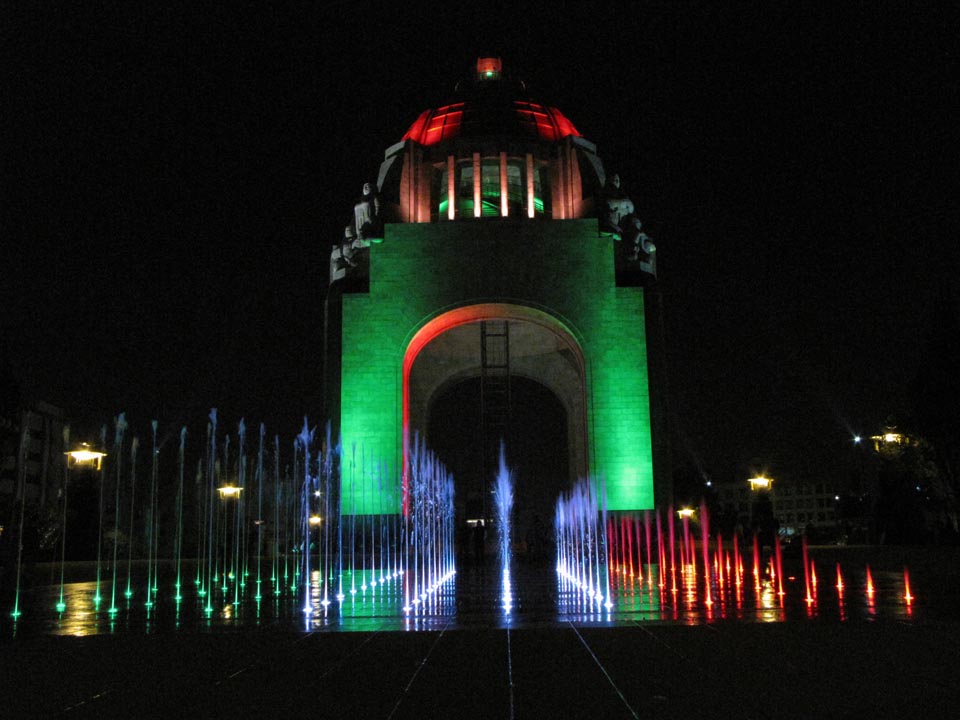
[(474, 597)]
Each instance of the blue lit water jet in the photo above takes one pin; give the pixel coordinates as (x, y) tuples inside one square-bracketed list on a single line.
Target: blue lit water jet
[(428, 530), (503, 496), (580, 531), (305, 438)]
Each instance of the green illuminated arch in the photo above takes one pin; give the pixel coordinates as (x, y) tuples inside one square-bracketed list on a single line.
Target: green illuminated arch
[(428, 277)]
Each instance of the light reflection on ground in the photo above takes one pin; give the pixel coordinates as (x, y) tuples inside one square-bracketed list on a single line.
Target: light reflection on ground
[(472, 598)]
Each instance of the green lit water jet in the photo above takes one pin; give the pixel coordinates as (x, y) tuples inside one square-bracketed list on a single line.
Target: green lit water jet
[(210, 539), (121, 426), (96, 595), (259, 520), (23, 502), (178, 534), (152, 520), (133, 494), (61, 605)]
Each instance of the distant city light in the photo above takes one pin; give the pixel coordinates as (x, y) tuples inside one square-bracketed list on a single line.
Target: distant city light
[(890, 443)]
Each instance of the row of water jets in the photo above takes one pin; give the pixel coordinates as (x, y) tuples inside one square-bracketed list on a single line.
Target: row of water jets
[(602, 556), (326, 526), (332, 524)]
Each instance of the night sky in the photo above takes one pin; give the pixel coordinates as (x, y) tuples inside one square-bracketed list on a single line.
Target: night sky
[(174, 178)]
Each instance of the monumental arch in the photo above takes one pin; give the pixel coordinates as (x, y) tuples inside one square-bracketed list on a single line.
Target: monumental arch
[(492, 245)]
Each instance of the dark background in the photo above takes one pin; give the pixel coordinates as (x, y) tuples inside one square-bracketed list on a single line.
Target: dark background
[(174, 178)]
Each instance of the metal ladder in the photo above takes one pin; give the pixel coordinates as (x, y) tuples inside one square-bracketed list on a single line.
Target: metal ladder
[(494, 396)]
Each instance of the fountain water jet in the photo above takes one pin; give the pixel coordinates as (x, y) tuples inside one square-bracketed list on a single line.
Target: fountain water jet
[(428, 529), (581, 537), (121, 425), (503, 494)]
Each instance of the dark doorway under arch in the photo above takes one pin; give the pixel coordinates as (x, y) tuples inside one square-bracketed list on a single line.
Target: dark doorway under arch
[(536, 448)]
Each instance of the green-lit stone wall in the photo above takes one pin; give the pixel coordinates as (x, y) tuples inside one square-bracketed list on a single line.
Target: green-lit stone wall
[(561, 267)]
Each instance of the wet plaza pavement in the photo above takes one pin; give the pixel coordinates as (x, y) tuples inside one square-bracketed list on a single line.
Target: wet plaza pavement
[(551, 655)]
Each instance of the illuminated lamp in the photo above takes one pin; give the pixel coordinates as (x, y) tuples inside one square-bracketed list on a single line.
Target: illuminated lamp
[(489, 68), (686, 513), (84, 456), (890, 443), (229, 491), (760, 483)]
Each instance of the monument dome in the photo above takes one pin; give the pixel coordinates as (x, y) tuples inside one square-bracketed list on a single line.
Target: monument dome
[(490, 105)]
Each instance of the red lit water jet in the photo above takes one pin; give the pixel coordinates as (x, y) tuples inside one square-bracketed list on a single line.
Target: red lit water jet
[(673, 564), (778, 554), (718, 563), (756, 563), (636, 532), (646, 529), (737, 562), (661, 554), (806, 572), (705, 539)]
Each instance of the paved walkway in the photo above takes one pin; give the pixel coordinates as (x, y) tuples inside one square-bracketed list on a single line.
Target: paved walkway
[(477, 663), (728, 670)]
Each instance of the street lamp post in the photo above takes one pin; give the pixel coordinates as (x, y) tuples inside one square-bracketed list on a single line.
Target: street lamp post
[(765, 523), (82, 456), (226, 493)]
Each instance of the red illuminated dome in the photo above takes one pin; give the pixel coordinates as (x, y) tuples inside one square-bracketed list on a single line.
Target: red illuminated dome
[(491, 151), (490, 105)]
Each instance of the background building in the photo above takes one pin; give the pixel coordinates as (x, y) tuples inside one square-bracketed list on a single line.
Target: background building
[(797, 507), (31, 461)]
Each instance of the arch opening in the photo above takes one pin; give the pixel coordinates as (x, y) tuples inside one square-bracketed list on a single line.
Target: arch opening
[(535, 442), (498, 346)]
